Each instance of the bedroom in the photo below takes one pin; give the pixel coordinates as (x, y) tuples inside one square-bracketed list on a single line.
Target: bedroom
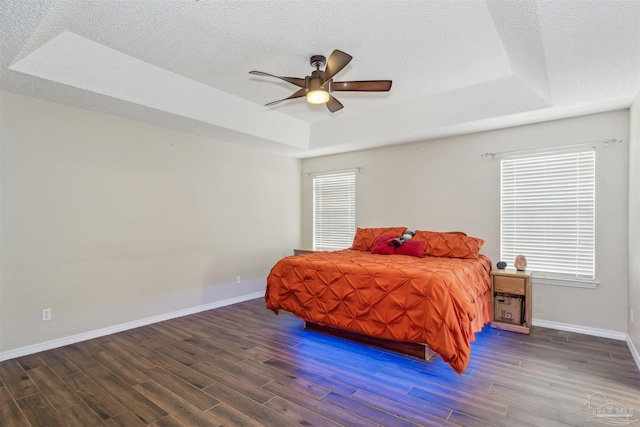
[(112, 220)]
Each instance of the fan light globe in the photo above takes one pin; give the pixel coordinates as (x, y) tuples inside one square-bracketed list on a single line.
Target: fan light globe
[(318, 97)]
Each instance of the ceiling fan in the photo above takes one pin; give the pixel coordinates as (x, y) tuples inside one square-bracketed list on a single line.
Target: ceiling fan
[(318, 86)]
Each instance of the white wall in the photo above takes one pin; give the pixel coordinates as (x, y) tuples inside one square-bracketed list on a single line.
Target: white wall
[(634, 225), (108, 221), (446, 185)]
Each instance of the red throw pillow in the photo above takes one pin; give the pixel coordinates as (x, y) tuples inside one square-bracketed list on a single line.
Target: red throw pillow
[(363, 240), (384, 238), (411, 248), (382, 246)]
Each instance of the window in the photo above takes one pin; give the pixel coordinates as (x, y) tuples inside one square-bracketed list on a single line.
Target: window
[(548, 213), (334, 210)]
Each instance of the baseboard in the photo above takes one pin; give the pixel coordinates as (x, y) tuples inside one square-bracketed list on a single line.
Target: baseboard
[(634, 351), (604, 333), (60, 342)]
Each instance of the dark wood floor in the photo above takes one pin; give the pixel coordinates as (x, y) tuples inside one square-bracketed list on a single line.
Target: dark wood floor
[(244, 366)]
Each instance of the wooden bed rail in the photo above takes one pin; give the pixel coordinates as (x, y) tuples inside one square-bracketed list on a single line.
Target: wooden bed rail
[(421, 351)]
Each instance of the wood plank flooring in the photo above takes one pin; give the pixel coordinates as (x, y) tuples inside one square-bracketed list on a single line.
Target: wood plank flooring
[(242, 365)]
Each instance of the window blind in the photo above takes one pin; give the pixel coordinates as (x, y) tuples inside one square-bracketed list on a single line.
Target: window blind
[(334, 208), (548, 212)]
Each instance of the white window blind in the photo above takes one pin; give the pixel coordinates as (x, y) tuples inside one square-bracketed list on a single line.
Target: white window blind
[(548, 212), (334, 210)]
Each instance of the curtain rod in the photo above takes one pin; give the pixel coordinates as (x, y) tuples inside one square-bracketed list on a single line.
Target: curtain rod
[(555, 147), (357, 169)]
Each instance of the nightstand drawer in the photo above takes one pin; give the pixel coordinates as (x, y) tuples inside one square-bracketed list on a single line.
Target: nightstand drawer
[(509, 285)]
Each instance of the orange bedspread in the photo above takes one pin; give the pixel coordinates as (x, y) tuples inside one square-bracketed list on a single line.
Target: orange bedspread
[(428, 300)]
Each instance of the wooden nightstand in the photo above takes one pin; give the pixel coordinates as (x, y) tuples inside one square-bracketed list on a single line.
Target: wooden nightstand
[(305, 251), (511, 300)]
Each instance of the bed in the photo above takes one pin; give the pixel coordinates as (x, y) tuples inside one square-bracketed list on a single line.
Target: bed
[(438, 294)]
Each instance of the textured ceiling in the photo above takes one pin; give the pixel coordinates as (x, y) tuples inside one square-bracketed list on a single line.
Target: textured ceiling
[(456, 66)]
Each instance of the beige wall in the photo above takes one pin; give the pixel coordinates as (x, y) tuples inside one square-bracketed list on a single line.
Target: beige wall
[(108, 221), (446, 185), (634, 224)]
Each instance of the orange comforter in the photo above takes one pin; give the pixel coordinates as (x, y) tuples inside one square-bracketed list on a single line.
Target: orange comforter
[(438, 301)]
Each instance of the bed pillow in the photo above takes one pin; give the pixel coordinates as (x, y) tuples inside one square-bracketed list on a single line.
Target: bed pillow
[(381, 245), (411, 248), (363, 240), (424, 234), (449, 245), (383, 238)]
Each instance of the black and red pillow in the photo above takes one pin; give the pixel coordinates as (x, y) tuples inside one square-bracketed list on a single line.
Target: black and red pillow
[(382, 246)]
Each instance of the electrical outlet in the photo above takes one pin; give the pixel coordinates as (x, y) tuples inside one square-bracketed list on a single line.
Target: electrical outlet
[(237, 280), (46, 314)]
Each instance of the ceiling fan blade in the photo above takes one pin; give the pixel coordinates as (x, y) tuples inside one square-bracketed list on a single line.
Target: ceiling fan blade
[(298, 94), (293, 80), (362, 86), (334, 105), (336, 62)]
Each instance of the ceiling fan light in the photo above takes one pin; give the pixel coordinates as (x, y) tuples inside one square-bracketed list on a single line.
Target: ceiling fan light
[(318, 96)]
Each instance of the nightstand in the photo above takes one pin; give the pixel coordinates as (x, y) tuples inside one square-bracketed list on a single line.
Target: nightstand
[(305, 251), (511, 300)]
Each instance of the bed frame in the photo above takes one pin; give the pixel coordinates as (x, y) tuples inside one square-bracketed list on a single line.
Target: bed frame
[(421, 351)]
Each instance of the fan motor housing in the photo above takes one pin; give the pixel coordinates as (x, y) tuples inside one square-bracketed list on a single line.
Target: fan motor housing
[(318, 61)]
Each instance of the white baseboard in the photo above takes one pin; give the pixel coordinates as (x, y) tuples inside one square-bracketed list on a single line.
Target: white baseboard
[(634, 351), (60, 342), (604, 333)]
